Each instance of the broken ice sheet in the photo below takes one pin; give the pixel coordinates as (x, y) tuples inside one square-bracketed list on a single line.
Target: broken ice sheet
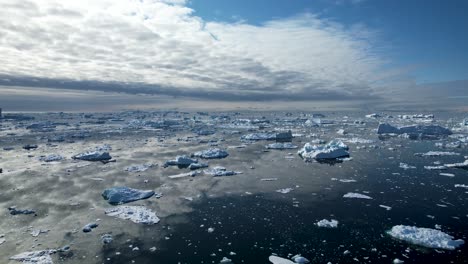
[(35, 257), (136, 214)]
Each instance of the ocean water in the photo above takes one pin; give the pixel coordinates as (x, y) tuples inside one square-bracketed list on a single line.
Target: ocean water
[(241, 217)]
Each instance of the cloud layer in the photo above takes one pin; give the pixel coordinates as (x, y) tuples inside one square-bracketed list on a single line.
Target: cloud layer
[(159, 46)]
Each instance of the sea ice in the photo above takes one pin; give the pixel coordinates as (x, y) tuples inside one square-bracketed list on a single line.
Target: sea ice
[(356, 195), (220, 171), (93, 156), (181, 161), (334, 149), (434, 130), (136, 214), (35, 257), (406, 166), (278, 260), (286, 145), (426, 237), (51, 158), (437, 153), (327, 223), (214, 153), (462, 165), (121, 195), (139, 168)]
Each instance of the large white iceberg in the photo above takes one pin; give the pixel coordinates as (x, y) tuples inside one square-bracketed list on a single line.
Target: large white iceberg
[(136, 214), (426, 237), (333, 150)]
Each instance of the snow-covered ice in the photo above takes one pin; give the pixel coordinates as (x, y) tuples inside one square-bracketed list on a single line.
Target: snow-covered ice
[(426, 237), (356, 195), (327, 223), (214, 153), (332, 150), (136, 214)]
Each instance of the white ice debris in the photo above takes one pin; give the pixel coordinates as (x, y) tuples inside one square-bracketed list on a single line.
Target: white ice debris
[(220, 171), (285, 145), (51, 158), (426, 237), (327, 223), (462, 165), (435, 167), (93, 156), (139, 168), (373, 115), (406, 166), (461, 186), (285, 190), (300, 259), (437, 153), (388, 208), (334, 149), (447, 174), (278, 260), (35, 257), (181, 161), (136, 214), (398, 261), (185, 174), (214, 153), (356, 195), (226, 261)]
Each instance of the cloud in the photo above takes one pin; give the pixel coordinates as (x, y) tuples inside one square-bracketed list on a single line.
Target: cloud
[(160, 46)]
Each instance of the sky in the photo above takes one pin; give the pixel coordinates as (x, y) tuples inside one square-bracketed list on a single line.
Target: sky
[(232, 51)]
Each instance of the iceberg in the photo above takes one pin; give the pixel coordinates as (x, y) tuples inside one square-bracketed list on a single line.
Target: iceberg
[(259, 136), (278, 260), (333, 150), (432, 130), (214, 153), (327, 223), (437, 154), (461, 165), (121, 195), (136, 214), (196, 166), (426, 237), (93, 156)]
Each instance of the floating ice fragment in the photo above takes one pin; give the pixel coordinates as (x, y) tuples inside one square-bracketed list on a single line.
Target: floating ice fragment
[(121, 195), (278, 145), (221, 171), (14, 211), (356, 195), (226, 261), (35, 257), (181, 161), (426, 237), (432, 130), (437, 154), (462, 165), (334, 149), (214, 153), (136, 214), (285, 190), (51, 158), (106, 239), (406, 166), (278, 260), (139, 168), (327, 223), (93, 156)]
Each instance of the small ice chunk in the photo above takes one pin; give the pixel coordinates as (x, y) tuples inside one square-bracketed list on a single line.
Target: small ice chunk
[(398, 261), (356, 195), (181, 161), (51, 158), (447, 174), (107, 239), (89, 227), (139, 168), (426, 237), (434, 130), (278, 145), (406, 166), (278, 260), (437, 154), (14, 211), (136, 214), (197, 166), (285, 190), (121, 195), (213, 153), (388, 208), (93, 156), (462, 165), (226, 261), (221, 171), (327, 223), (300, 259)]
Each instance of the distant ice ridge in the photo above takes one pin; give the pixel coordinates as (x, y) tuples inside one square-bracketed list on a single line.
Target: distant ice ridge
[(214, 153), (425, 237), (327, 223), (332, 150), (356, 195), (435, 130), (136, 214)]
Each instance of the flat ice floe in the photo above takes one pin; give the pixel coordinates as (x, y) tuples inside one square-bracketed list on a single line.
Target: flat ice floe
[(278, 260), (406, 166), (278, 145), (461, 165), (426, 237), (93, 156), (433, 130), (139, 168), (285, 190), (327, 223), (356, 195), (35, 257), (181, 161), (437, 154), (219, 171), (136, 214), (332, 150), (214, 153), (51, 158)]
